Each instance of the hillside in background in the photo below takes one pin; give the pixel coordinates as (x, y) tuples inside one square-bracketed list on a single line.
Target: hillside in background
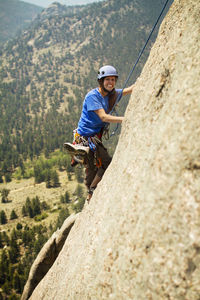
[(15, 16), (45, 72)]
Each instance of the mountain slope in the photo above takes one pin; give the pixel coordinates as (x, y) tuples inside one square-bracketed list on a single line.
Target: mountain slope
[(139, 237), (15, 15), (45, 73)]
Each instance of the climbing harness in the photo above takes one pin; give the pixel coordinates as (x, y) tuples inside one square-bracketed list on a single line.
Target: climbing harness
[(133, 68), (82, 142)]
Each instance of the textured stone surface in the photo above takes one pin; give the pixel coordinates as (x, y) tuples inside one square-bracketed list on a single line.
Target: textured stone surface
[(47, 256), (139, 238)]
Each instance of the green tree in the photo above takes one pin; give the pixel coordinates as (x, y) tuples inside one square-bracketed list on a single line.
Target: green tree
[(13, 215), (28, 208), (4, 265), (30, 212), (22, 167), (8, 177), (4, 195), (79, 191), (1, 241), (38, 173), (14, 251), (62, 199), (67, 197), (27, 237), (24, 211), (79, 205), (36, 206), (3, 218), (13, 297), (48, 179), (55, 179), (44, 205), (1, 181), (28, 203), (79, 174), (19, 226), (39, 243), (17, 282), (64, 214), (5, 238)]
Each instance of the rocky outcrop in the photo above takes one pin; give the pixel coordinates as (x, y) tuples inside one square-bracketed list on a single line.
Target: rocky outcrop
[(139, 237), (47, 256)]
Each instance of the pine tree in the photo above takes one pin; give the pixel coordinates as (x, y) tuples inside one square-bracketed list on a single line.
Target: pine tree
[(79, 191), (64, 214), (1, 181), (13, 215), (28, 208), (55, 179), (14, 251), (4, 264), (8, 177), (62, 199), (3, 218), (16, 282), (30, 212), (44, 205), (48, 179), (28, 203), (24, 211), (79, 174), (67, 197), (1, 241), (19, 226), (4, 195), (36, 206), (1, 296), (5, 238)]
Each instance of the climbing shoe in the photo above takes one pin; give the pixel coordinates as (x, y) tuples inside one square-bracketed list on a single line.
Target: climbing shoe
[(76, 149), (90, 193)]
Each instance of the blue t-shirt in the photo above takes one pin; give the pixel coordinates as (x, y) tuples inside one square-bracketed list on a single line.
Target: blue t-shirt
[(90, 123)]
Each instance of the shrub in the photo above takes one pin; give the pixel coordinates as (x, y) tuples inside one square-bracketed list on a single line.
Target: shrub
[(3, 218)]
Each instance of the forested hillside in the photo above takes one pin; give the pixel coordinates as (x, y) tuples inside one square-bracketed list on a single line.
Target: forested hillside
[(45, 72), (15, 15)]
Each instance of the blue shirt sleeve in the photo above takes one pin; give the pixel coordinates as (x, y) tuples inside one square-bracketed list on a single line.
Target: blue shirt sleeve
[(93, 103)]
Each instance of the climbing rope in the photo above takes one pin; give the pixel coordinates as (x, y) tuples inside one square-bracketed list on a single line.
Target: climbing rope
[(137, 60)]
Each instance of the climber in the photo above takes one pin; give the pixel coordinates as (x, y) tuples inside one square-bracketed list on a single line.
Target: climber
[(97, 105)]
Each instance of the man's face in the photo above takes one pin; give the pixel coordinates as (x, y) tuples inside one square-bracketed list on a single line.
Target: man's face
[(109, 83)]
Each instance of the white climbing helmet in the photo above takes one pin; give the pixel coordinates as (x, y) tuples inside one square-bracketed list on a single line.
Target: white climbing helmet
[(107, 71)]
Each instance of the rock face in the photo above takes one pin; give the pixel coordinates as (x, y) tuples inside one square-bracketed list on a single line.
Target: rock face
[(47, 256), (139, 238)]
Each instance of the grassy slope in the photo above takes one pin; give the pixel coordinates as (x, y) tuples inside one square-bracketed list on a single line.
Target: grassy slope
[(21, 189)]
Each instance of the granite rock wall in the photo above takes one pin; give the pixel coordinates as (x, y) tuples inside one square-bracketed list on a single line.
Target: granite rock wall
[(139, 238)]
